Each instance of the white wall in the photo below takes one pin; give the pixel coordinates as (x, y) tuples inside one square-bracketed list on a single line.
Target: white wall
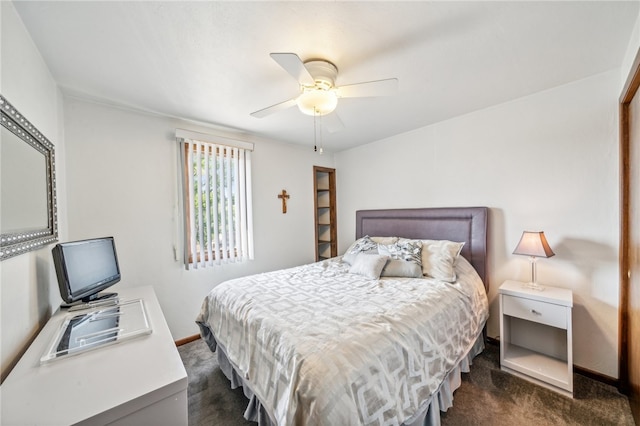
[(28, 288), (547, 162), (630, 55), (122, 174)]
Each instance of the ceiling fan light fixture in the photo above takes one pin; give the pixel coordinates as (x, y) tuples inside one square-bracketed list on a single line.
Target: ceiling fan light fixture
[(318, 94), (314, 101)]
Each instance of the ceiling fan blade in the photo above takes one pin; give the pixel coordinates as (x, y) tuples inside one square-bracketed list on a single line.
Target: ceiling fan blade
[(294, 66), (332, 122), (385, 87), (274, 108)]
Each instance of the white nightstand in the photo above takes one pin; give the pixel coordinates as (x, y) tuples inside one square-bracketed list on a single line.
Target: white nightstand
[(536, 340)]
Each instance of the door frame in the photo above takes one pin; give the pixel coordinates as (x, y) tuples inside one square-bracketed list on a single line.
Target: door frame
[(629, 91)]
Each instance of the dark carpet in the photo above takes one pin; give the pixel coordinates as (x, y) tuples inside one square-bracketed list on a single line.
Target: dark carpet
[(488, 396)]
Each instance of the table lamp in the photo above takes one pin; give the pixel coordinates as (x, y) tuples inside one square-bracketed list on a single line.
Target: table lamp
[(534, 245)]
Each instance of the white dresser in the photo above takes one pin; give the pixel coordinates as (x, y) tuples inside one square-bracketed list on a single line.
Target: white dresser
[(141, 381)]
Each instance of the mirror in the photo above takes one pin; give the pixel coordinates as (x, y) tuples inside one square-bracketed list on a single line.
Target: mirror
[(28, 213)]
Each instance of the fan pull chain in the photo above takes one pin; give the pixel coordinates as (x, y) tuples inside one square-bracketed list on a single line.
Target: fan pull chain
[(315, 132), (321, 143)]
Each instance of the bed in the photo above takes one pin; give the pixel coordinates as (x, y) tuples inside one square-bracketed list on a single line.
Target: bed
[(344, 342)]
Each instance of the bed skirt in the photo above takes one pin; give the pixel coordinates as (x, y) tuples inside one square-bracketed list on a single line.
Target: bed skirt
[(427, 415)]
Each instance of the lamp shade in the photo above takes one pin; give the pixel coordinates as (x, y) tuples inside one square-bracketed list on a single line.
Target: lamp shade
[(533, 244), (317, 101)]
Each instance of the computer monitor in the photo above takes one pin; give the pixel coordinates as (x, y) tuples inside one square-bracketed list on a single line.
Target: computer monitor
[(85, 268)]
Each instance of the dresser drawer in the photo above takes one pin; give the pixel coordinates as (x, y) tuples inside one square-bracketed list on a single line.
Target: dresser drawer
[(534, 310)]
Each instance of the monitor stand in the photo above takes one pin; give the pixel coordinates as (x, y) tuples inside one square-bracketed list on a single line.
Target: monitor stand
[(98, 298)]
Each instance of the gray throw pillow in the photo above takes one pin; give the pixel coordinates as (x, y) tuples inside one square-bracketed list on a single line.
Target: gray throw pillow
[(368, 265), (401, 268)]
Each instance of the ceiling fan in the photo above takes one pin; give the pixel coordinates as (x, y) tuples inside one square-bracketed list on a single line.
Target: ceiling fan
[(318, 93)]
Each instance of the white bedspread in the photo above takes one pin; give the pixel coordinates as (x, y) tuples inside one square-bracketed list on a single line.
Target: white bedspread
[(320, 346)]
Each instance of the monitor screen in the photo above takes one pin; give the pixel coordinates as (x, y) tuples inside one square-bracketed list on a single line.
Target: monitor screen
[(86, 267)]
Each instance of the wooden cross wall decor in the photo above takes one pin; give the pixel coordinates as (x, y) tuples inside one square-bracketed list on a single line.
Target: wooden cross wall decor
[(284, 196)]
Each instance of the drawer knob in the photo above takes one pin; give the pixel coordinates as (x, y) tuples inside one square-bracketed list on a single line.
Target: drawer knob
[(534, 312)]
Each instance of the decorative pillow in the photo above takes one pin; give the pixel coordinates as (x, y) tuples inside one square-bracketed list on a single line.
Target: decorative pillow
[(405, 259), (368, 265), (366, 244), (401, 268), (403, 250), (439, 258)]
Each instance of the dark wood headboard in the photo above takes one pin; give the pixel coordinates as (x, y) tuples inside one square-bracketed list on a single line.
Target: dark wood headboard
[(460, 224)]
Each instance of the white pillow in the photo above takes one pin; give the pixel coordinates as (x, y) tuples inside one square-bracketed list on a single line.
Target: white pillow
[(439, 258), (368, 265), (385, 240)]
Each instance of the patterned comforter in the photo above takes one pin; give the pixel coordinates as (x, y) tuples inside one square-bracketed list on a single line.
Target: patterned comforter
[(321, 346)]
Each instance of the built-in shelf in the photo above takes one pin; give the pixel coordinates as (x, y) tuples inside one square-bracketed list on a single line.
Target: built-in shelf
[(538, 365), (326, 228)]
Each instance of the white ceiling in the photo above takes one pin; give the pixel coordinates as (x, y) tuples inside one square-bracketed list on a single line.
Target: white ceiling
[(209, 61)]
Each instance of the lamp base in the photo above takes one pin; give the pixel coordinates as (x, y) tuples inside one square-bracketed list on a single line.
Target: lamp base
[(533, 286)]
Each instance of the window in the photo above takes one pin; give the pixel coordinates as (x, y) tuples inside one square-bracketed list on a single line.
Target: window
[(217, 202)]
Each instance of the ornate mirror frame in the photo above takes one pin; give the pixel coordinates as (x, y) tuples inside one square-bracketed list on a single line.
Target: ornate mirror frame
[(31, 237)]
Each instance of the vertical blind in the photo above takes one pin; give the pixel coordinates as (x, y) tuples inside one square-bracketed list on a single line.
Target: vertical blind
[(217, 203)]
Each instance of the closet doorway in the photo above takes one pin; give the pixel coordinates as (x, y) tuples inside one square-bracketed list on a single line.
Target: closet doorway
[(629, 368)]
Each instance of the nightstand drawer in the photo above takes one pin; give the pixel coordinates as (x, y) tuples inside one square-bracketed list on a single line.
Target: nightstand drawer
[(534, 310)]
